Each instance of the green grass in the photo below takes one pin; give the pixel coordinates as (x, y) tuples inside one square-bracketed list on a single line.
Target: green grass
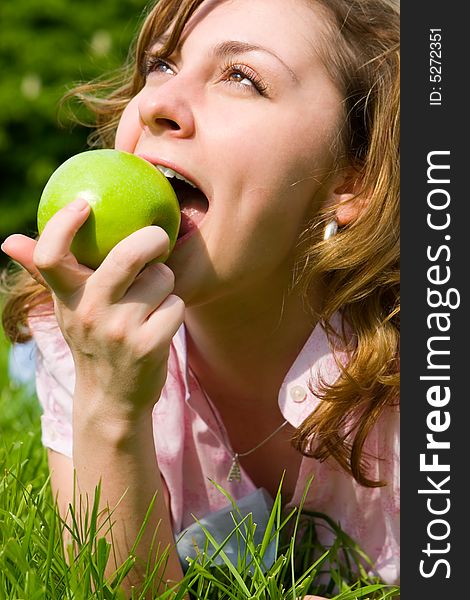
[(35, 566)]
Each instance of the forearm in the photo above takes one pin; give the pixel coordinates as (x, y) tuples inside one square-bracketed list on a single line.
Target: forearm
[(121, 456)]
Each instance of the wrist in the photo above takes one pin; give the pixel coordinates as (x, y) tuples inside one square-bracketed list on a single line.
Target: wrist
[(114, 399), (111, 423)]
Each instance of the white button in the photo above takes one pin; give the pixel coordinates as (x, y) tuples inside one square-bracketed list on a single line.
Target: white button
[(298, 393)]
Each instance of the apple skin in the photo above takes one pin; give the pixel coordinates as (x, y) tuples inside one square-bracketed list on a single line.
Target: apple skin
[(125, 193)]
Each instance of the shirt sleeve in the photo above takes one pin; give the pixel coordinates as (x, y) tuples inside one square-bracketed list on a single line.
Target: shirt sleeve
[(55, 382)]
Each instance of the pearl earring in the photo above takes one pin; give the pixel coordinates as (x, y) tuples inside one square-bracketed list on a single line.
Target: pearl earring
[(330, 229)]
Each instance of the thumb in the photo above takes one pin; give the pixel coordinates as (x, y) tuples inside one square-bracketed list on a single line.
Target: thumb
[(20, 248)]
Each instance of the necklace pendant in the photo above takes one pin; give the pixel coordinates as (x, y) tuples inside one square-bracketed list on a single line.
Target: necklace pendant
[(234, 473)]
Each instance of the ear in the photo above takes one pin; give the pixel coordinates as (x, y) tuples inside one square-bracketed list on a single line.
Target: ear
[(350, 199)]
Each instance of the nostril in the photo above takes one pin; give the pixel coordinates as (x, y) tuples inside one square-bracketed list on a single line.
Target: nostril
[(169, 123)]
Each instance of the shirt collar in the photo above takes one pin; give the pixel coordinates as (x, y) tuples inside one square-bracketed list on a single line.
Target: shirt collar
[(298, 395), (179, 346)]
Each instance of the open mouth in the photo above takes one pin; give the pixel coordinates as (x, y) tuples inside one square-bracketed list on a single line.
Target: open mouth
[(193, 202)]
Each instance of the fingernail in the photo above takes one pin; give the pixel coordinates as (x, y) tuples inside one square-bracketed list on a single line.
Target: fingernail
[(79, 204), (5, 244)]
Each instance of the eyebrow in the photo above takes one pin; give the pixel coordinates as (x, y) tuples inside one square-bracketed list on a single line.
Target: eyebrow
[(234, 47)]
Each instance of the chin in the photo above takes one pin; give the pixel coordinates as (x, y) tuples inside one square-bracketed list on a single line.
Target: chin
[(197, 286)]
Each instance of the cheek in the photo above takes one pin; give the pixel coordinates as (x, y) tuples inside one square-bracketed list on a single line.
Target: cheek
[(270, 220), (273, 150), (129, 128)]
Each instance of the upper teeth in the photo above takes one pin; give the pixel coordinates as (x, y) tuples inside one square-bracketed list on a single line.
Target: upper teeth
[(170, 173)]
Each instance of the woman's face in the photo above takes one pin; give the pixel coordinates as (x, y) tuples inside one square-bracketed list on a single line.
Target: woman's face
[(245, 110)]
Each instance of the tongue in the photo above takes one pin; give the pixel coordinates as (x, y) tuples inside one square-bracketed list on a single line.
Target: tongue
[(193, 205), (191, 216), (193, 209)]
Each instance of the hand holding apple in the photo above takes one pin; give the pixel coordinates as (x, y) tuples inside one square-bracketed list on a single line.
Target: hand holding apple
[(119, 319), (125, 193)]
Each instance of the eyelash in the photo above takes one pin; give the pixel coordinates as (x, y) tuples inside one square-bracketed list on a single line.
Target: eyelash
[(153, 62), (232, 68)]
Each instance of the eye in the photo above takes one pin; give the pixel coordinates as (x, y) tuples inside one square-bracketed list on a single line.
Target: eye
[(155, 64), (240, 78), (244, 77)]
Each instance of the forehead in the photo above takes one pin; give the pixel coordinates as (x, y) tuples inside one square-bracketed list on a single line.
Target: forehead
[(295, 29)]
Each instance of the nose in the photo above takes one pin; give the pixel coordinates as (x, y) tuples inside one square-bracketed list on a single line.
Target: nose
[(165, 109)]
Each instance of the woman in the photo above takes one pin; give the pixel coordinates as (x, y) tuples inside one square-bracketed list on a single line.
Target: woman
[(272, 329)]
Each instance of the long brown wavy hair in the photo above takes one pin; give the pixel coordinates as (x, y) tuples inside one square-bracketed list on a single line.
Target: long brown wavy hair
[(360, 264)]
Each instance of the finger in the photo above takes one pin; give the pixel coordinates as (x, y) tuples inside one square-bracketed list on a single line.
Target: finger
[(20, 248), (52, 256), (148, 291), (165, 321), (126, 260)]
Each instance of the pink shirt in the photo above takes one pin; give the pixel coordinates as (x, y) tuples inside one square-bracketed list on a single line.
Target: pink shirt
[(191, 451)]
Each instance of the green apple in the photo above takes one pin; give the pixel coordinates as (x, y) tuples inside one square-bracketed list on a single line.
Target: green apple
[(125, 193)]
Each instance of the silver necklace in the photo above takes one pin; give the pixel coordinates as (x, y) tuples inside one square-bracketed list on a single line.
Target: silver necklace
[(235, 473)]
